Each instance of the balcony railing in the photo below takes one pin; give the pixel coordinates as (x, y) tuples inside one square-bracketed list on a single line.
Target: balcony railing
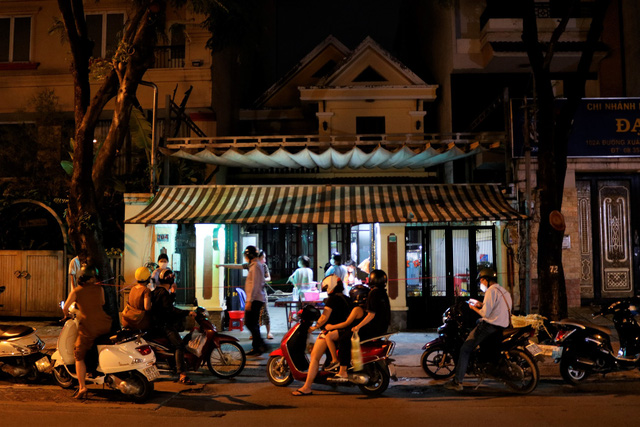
[(509, 9), (169, 57)]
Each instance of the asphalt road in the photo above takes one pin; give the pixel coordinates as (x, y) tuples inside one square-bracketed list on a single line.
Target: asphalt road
[(251, 399)]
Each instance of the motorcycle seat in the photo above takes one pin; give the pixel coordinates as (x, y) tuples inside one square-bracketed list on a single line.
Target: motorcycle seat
[(104, 340), (15, 331), (583, 325)]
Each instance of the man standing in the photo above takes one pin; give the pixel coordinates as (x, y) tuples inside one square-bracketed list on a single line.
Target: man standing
[(254, 288), (495, 313)]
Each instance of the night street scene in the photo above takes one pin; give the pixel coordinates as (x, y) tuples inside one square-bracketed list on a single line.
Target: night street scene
[(277, 212)]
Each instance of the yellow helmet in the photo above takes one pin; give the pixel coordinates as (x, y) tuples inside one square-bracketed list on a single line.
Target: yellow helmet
[(142, 274)]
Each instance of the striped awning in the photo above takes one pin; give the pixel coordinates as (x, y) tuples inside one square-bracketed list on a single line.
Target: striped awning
[(326, 204)]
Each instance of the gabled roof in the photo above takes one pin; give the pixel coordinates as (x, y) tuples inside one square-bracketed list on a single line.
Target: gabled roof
[(306, 71), (369, 58)]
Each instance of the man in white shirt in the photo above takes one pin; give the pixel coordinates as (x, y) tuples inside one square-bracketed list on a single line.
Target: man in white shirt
[(495, 314)]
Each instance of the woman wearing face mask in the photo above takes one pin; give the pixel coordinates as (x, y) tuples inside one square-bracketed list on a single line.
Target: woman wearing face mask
[(301, 278), (163, 263)]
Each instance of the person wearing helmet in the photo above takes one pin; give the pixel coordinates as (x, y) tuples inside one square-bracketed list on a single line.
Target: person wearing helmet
[(137, 312), (342, 331), (495, 315), (167, 317), (336, 310), (378, 309), (92, 320), (254, 288)]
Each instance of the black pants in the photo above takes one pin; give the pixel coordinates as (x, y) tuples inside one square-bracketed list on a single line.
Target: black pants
[(177, 346), (252, 320)]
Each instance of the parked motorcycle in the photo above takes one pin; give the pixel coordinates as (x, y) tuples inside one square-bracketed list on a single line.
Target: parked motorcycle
[(585, 348), (123, 362), (222, 353), (21, 351), (509, 357), (291, 362)]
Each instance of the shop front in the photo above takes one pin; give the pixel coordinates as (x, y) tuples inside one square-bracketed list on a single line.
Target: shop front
[(427, 227)]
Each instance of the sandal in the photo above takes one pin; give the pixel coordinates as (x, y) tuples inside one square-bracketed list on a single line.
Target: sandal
[(301, 393), (186, 381)]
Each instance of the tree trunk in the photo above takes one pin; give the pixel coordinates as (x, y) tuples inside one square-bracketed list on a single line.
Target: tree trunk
[(553, 138)]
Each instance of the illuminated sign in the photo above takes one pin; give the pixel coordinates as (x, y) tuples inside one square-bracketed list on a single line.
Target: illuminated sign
[(602, 127)]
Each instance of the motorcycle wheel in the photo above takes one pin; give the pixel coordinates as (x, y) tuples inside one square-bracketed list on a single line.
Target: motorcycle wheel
[(438, 363), (278, 371), (146, 387), (571, 375), (227, 361), (62, 377), (522, 373), (378, 379)]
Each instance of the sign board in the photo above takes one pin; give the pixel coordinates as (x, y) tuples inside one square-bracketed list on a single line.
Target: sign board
[(162, 238), (602, 127)]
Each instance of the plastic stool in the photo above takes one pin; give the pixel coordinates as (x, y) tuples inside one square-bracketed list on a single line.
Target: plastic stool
[(236, 320)]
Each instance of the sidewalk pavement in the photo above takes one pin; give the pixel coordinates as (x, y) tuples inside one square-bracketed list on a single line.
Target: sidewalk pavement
[(407, 352)]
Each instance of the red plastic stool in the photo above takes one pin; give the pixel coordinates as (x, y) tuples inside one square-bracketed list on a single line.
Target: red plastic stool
[(236, 320)]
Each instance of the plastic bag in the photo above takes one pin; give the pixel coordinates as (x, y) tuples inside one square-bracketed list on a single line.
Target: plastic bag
[(196, 343), (356, 352)]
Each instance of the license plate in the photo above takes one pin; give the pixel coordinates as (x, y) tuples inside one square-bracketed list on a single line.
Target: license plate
[(534, 349), (557, 352), (151, 373)]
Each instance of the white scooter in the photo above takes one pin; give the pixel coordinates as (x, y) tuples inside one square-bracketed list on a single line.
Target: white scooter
[(125, 361), (21, 351)]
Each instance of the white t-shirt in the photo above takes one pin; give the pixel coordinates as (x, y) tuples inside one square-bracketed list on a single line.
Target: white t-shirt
[(74, 268), (494, 310)]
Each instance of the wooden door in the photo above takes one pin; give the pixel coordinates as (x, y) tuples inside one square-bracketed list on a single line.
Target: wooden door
[(10, 272), (43, 286), (34, 283)]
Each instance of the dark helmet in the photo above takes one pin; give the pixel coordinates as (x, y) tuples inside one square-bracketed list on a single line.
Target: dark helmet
[(87, 272), (359, 294), (337, 258), (378, 279), (251, 252), (487, 273), (304, 260), (166, 277)]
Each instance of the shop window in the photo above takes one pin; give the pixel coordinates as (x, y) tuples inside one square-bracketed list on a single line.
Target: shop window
[(484, 250), (437, 271), (414, 262), (461, 263), (105, 30), (15, 39)]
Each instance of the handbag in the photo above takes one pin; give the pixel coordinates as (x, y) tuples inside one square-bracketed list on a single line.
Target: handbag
[(356, 352), (135, 318), (196, 343)]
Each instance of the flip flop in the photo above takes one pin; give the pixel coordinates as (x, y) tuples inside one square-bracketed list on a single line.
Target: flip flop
[(186, 381), (301, 393)]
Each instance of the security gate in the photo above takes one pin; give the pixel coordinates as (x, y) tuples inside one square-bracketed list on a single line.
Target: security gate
[(34, 282), (607, 247)]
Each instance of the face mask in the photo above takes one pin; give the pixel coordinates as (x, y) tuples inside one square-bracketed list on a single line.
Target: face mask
[(332, 262), (483, 288), (300, 264), (163, 264)]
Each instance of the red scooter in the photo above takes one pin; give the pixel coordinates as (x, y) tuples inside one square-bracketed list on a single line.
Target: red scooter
[(291, 362), (222, 353)]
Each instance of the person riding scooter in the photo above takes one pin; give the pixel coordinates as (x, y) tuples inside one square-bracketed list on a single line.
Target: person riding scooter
[(336, 310), (89, 298), (166, 318), (495, 313)]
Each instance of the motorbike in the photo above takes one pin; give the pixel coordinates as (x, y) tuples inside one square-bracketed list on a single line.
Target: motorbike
[(21, 353), (123, 362), (584, 348), (222, 353), (509, 357), (290, 361)]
